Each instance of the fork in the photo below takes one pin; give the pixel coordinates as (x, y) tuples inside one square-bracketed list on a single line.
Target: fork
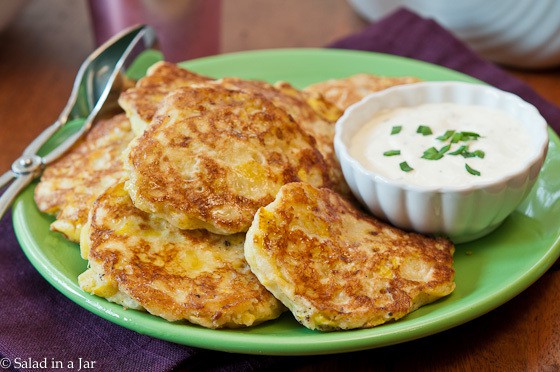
[(97, 86)]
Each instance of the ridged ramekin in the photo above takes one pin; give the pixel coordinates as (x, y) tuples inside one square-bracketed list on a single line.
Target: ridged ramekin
[(461, 212)]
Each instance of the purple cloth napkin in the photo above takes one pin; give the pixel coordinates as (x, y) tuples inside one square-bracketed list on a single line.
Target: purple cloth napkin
[(406, 34), (38, 324)]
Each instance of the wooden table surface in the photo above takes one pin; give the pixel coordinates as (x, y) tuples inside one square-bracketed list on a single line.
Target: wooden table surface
[(40, 53)]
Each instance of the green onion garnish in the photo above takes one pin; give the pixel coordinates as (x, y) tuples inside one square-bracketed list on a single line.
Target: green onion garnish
[(396, 129), (405, 167), (444, 149), (464, 136), (424, 130), (446, 136), (457, 136), (433, 154), (429, 153), (392, 153), (474, 172), (479, 153), (474, 154), (464, 152), (460, 150), (470, 136)]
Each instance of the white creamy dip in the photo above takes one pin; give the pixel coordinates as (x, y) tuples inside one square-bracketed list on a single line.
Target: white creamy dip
[(502, 147)]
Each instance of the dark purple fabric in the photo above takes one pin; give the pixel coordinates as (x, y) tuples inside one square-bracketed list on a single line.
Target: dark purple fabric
[(406, 34), (39, 323)]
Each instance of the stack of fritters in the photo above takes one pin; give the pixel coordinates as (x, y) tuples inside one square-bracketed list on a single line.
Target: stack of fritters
[(141, 261), (212, 159), (336, 268)]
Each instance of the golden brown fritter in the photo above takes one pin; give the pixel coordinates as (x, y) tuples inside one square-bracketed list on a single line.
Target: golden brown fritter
[(212, 156), (142, 261), (347, 91), (69, 186), (141, 102), (310, 110), (315, 115), (324, 108), (289, 99), (337, 268)]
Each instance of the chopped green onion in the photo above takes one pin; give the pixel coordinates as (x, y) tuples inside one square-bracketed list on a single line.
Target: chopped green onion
[(405, 167), (392, 153), (457, 136), (460, 150), (433, 154), (464, 136), (424, 130), (444, 149), (479, 153), (446, 136), (470, 136), (474, 172), (429, 153), (464, 152), (396, 129)]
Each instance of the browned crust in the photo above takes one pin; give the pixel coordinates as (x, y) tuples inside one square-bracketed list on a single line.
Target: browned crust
[(156, 272), (324, 248), (237, 148), (149, 91), (69, 186), (312, 112)]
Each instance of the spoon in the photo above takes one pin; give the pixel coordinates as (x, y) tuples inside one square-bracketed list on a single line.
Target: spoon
[(96, 89)]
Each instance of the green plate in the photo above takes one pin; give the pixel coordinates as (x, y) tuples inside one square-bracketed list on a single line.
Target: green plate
[(489, 271)]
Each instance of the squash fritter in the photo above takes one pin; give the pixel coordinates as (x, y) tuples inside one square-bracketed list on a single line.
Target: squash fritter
[(212, 156), (141, 102), (69, 186), (142, 262), (315, 115), (337, 268)]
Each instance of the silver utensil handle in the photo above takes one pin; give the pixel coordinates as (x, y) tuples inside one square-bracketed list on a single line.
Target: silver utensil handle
[(143, 38), (96, 78), (6, 178), (13, 190)]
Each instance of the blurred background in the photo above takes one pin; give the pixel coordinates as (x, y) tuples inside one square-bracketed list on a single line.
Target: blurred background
[(242, 24), (520, 33), (43, 42)]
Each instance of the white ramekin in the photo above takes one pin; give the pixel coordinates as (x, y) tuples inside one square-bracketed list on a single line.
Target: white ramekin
[(461, 212)]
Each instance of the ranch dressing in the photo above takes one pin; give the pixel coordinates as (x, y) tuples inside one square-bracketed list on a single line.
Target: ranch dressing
[(494, 144)]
